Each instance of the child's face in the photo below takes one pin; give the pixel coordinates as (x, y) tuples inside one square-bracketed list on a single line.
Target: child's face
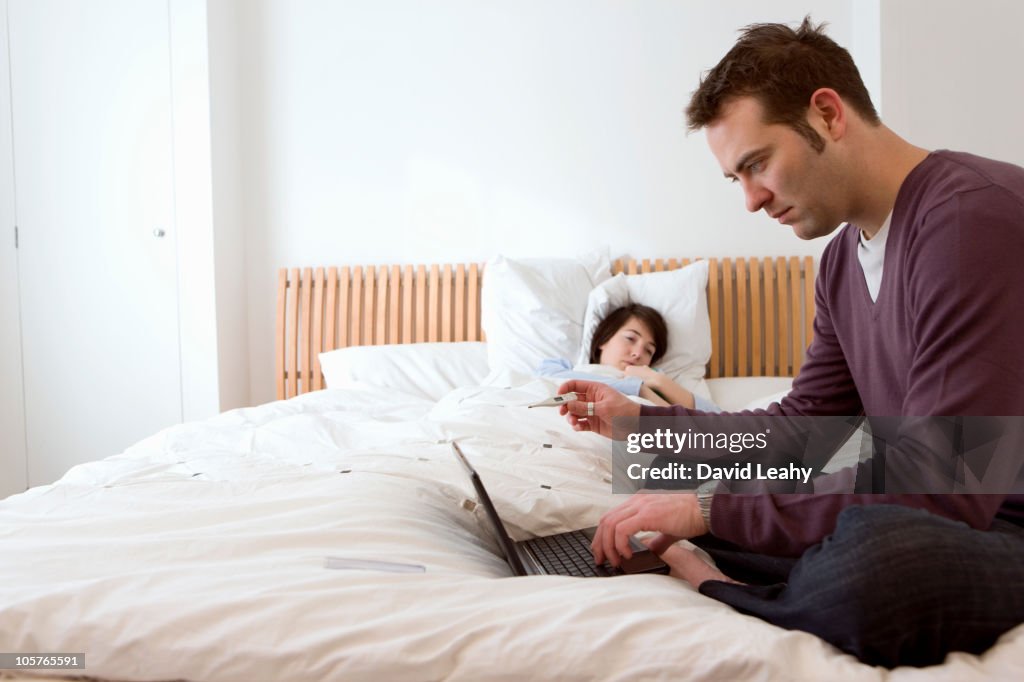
[(632, 344)]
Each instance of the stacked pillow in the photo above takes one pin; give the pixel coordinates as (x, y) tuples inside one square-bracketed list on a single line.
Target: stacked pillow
[(425, 370), (533, 309), (539, 309), (681, 298)]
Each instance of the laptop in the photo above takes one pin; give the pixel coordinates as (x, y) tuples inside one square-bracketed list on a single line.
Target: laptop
[(561, 554)]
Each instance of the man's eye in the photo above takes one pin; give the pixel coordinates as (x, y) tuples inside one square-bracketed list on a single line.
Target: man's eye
[(756, 167)]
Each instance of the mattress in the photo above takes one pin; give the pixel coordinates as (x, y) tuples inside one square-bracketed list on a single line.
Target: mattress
[(201, 553)]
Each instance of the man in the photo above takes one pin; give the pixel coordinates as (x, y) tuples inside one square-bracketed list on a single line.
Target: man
[(917, 315)]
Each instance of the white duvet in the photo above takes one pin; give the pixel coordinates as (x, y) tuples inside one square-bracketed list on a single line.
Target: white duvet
[(199, 554)]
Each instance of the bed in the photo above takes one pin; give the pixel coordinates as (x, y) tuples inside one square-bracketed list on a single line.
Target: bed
[(204, 551)]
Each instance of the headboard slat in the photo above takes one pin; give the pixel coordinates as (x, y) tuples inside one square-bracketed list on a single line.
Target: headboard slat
[(369, 290), (460, 302), (447, 324), (756, 324), (394, 289), (761, 312), (380, 331), (715, 311), (474, 332), (407, 312), (318, 327), (280, 332), (433, 298), (781, 282), (771, 339), (292, 323), (305, 326), (795, 292), (356, 306), (728, 340), (421, 304), (742, 315), (331, 307), (344, 307), (808, 310)]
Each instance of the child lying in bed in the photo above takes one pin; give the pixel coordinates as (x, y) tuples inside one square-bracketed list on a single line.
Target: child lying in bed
[(625, 345)]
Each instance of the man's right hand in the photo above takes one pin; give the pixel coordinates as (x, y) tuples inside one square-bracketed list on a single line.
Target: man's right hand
[(608, 404), (675, 515)]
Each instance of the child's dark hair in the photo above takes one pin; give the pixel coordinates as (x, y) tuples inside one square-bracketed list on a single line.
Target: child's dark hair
[(614, 321)]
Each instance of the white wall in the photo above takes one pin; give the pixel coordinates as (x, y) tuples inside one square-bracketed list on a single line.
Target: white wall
[(409, 132), (953, 75), (865, 46), (401, 131), (413, 132), (226, 115)]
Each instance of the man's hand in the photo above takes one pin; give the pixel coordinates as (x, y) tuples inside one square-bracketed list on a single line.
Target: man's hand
[(686, 565), (675, 515), (608, 404)]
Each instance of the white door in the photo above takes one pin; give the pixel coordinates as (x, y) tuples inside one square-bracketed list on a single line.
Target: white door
[(13, 477), (91, 109)]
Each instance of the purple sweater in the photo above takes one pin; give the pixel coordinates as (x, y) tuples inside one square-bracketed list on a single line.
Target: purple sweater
[(943, 338)]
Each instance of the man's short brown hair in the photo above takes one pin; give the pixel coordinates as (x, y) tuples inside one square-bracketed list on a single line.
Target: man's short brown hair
[(781, 68)]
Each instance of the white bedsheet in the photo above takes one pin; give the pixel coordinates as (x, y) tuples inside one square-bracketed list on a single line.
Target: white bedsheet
[(199, 554)]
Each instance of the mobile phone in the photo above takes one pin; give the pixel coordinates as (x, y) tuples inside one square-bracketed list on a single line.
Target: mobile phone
[(642, 561)]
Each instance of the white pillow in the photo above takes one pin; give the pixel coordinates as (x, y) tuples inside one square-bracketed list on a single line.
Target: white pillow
[(764, 402), (426, 370), (532, 309), (681, 298), (733, 394)]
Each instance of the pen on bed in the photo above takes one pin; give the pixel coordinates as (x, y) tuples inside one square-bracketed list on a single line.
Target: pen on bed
[(556, 401), (372, 565)]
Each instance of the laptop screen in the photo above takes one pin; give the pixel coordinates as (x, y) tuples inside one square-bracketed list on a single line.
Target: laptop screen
[(507, 546)]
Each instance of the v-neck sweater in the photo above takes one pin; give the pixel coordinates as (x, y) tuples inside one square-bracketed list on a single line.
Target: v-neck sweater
[(943, 338)]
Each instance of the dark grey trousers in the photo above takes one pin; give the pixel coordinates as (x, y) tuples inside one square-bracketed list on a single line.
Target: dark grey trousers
[(892, 585)]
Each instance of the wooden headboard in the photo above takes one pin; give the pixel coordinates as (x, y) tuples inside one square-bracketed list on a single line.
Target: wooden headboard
[(761, 312)]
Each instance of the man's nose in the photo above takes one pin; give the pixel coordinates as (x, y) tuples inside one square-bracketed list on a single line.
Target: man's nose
[(757, 196)]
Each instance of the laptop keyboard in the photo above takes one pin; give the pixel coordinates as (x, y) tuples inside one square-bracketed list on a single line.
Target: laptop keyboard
[(565, 554)]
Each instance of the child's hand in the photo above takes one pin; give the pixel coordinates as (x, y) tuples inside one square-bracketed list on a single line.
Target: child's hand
[(646, 374)]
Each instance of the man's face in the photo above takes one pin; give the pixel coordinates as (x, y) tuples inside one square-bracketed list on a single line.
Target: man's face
[(778, 169)]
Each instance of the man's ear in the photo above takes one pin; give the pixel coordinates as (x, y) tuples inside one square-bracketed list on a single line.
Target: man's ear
[(827, 113)]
